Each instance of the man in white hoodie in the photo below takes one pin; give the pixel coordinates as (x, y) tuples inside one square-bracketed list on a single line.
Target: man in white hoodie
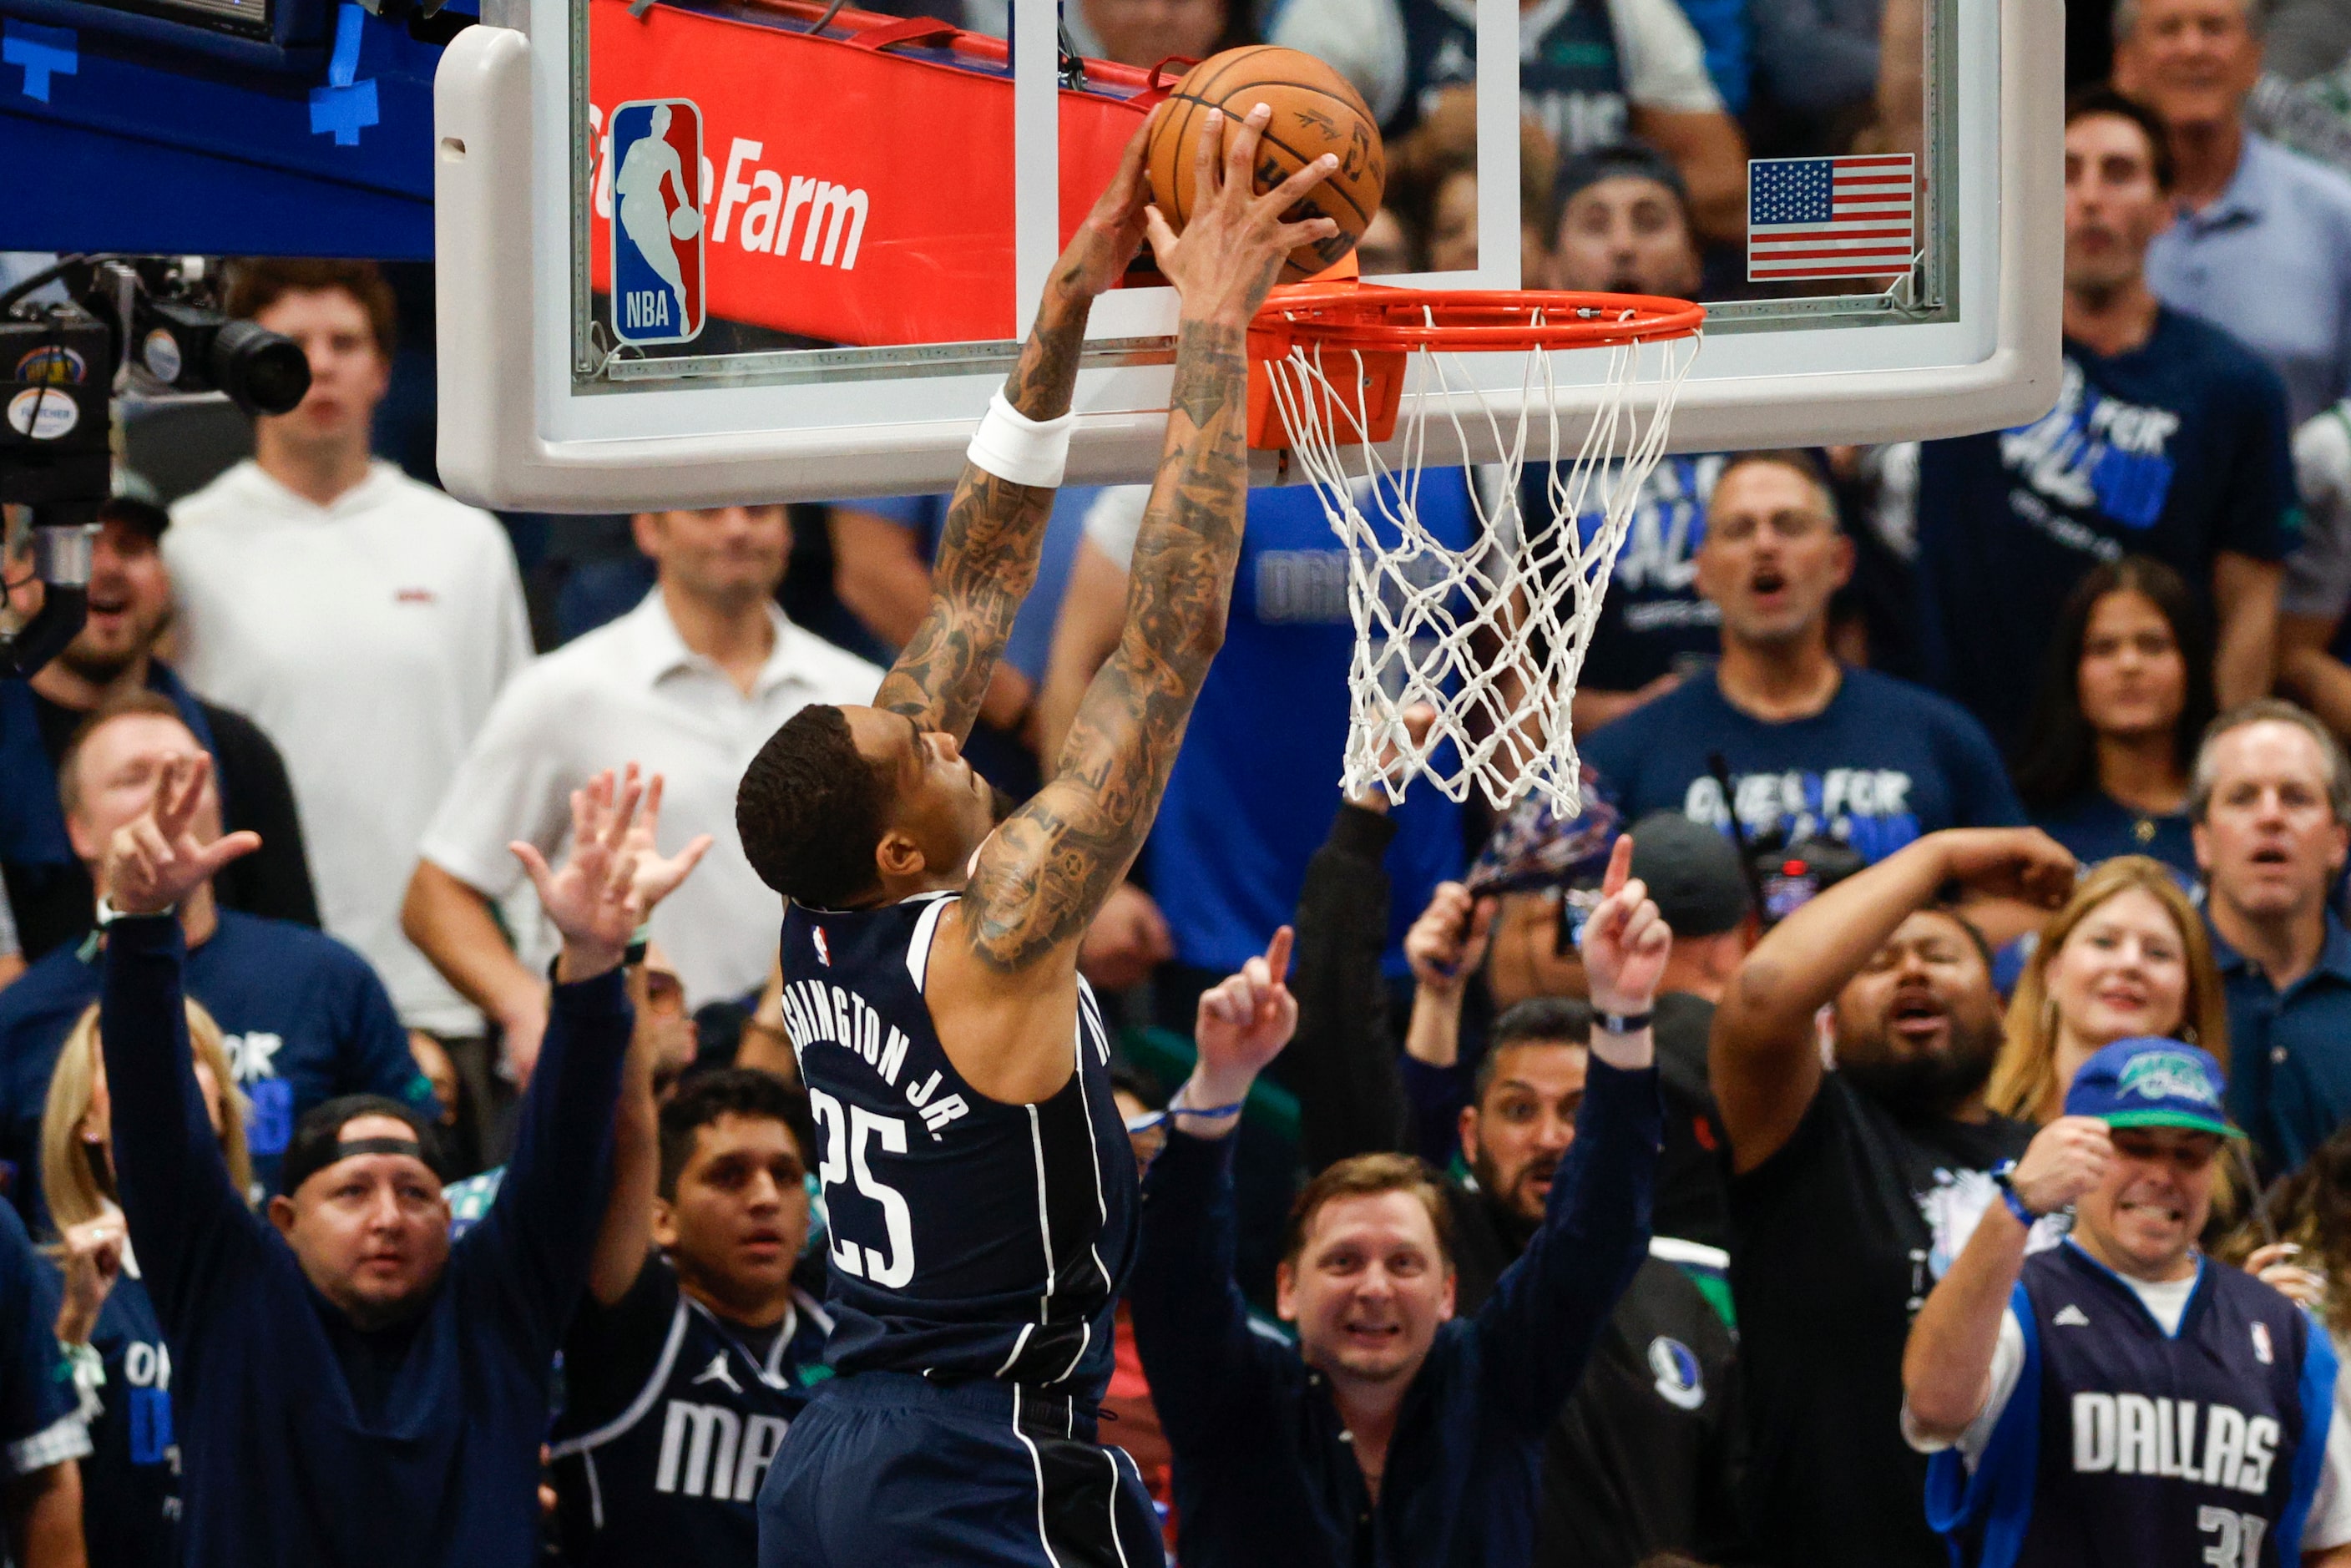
[(364, 620)]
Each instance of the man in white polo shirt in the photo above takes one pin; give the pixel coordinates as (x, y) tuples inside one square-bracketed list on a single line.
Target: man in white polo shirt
[(364, 621), (691, 683)]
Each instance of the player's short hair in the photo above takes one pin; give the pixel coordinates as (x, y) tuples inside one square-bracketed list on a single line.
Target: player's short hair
[(1797, 459), (1369, 1175), (1538, 1020), (810, 811), (2205, 779), (2100, 99), (748, 1091), (259, 282), (121, 705)]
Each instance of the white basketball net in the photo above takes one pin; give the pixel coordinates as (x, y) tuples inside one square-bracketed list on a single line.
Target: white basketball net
[(1491, 636)]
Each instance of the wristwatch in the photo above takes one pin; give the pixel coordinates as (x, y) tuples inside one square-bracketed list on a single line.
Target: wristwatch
[(1622, 1023), (2003, 1176), (106, 914)]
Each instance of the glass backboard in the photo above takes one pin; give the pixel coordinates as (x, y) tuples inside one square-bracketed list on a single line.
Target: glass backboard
[(703, 251)]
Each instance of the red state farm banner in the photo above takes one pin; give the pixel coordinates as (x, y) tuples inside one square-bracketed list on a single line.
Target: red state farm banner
[(857, 187)]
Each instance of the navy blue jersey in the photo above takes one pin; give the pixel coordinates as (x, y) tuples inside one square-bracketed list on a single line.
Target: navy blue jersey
[(1570, 79), (671, 1416), (2124, 1445), (2177, 449), (969, 1237), (131, 1477), (1883, 763)]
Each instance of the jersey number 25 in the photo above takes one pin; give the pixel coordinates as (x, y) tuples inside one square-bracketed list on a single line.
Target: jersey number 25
[(844, 1139)]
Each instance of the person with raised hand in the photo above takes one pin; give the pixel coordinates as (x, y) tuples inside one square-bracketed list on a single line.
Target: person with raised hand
[(1852, 1186), (351, 1387), (1396, 1431), (105, 1319), (979, 1186), (2109, 1399)]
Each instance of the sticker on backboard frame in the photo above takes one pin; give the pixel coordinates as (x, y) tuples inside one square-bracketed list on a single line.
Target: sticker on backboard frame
[(1846, 216), (657, 221)]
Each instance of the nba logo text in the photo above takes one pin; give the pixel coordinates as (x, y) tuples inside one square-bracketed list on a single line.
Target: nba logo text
[(657, 294)]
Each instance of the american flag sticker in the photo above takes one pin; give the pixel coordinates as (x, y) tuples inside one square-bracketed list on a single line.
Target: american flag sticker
[(1831, 217)]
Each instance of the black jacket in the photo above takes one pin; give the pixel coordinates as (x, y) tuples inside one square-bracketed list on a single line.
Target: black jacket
[(1643, 1458)]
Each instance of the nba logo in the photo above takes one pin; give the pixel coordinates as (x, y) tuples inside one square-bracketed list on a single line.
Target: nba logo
[(657, 221), (824, 953)]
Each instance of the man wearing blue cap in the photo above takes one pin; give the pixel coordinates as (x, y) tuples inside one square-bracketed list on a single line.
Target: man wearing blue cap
[(2115, 1399)]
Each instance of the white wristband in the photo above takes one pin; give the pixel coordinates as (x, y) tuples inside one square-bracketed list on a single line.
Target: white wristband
[(1024, 451)]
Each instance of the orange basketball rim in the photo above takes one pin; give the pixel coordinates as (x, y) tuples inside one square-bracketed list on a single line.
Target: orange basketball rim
[(1383, 327)]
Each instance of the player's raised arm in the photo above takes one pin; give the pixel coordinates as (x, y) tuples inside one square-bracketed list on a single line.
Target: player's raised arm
[(1043, 874), (995, 522)]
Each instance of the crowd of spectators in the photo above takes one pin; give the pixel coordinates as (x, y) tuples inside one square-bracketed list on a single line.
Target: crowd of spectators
[(388, 1010)]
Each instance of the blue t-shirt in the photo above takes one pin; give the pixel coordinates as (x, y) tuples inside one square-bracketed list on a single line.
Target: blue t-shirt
[(130, 1478), (2177, 449), (1571, 78), (303, 1017), (1652, 616), (2096, 827), (1257, 784), (1883, 763), (38, 1420)]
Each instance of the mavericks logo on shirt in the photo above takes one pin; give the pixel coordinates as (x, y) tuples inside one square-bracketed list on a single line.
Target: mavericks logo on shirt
[(1867, 808), (2092, 453)]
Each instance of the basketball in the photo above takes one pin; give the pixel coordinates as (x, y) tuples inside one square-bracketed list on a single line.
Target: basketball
[(1315, 110), (685, 223)]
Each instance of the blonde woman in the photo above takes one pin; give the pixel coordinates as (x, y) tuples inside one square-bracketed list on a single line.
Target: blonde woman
[(130, 1482), (2126, 956)]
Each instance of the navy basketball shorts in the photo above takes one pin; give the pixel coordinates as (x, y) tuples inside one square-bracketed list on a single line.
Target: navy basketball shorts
[(886, 1469)]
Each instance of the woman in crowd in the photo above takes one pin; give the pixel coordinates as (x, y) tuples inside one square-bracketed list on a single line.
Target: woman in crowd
[(2126, 956), (2298, 1238), (106, 1322), (2126, 694)]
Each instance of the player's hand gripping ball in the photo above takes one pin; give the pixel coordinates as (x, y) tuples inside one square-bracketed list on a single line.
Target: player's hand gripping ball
[(685, 223), (1315, 110)]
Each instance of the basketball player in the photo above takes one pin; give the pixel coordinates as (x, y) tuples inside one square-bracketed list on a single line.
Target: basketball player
[(977, 1179), (2118, 1399)]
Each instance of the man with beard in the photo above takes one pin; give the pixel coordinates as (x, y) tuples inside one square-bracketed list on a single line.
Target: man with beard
[(130, 611), (1853, 1189), (1814, 748)]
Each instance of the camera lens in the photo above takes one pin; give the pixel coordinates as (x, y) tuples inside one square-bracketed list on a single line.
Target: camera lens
[(260, 370)]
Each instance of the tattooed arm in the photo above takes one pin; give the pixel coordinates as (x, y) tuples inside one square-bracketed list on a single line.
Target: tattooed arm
[(1039, 878), (995, 528)]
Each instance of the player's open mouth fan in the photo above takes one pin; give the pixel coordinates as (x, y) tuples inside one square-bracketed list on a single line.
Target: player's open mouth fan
[(1491, 636)]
